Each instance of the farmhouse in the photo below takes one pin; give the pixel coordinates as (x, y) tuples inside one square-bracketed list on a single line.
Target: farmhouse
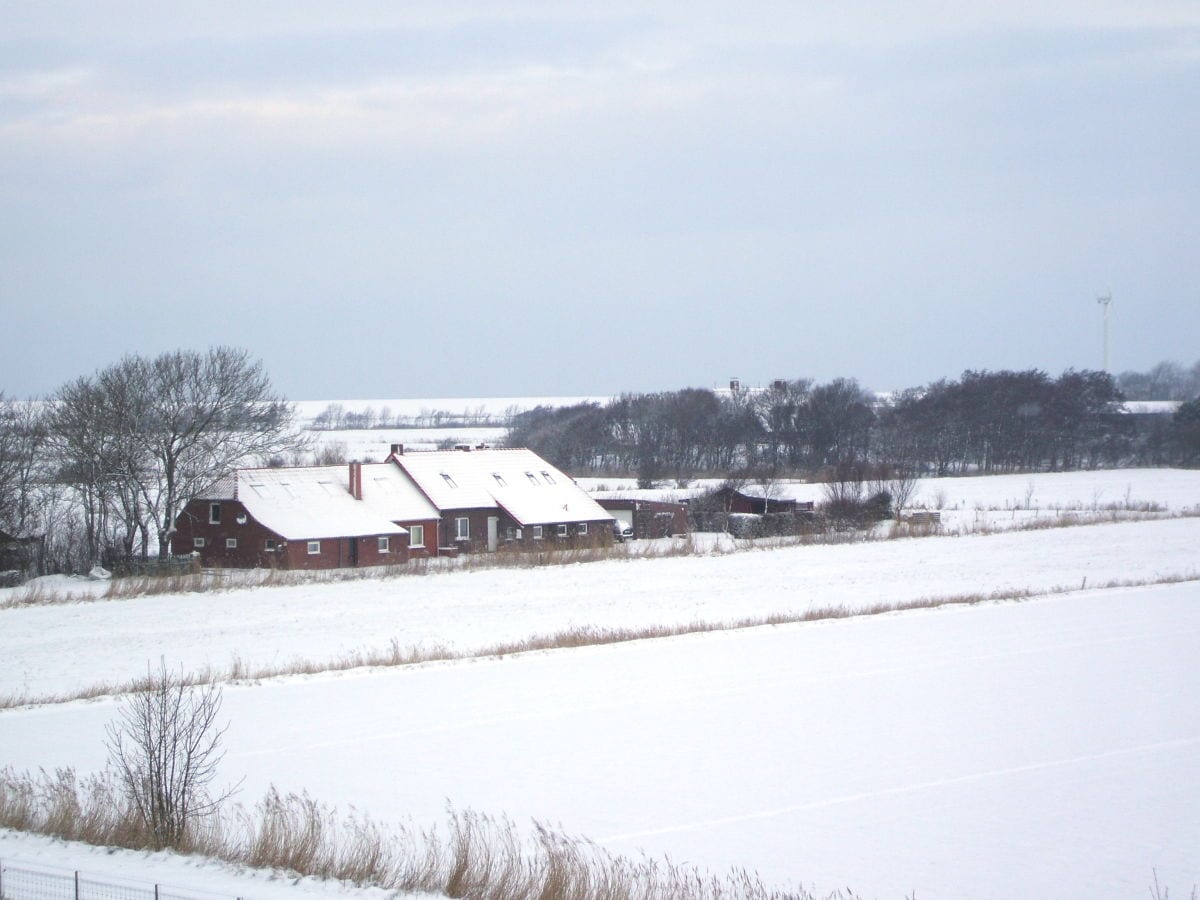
[(370, 514), (314, 517), (491, 497)]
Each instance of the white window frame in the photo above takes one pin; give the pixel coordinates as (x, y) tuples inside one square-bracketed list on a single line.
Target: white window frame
[(416, 536), (385, 545), (199, 543), (314, 548), (562, 530), (583, 527), (462, 528), (214, 514), (537, 532), (230, 543)]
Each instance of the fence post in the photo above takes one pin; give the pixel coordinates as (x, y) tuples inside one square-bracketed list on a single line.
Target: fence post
[(76, 885), (155, 893), (1, 879)]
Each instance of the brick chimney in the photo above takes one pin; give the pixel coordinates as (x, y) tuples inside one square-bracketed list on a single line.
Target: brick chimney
[(356, 480)]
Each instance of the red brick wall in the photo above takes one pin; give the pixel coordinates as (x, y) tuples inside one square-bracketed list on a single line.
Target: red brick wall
[(346, 552), (252, 537), (432, 538), (478, 519)]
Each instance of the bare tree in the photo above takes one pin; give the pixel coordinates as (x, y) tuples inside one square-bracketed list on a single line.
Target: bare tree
[(844, 499), (899, 482), (203, 414), (93, 430), (331, 453), (22, 437), (166, 747)]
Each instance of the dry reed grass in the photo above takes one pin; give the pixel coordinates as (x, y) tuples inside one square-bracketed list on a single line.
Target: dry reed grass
[(217, 580), (478, 857)]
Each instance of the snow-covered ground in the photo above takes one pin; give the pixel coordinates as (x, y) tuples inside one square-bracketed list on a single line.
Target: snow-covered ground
[(973, 502), (1044, 748), (308, 410), (54, 648), (1037, 749), (1174, 489), (194, 877), (374, 444)]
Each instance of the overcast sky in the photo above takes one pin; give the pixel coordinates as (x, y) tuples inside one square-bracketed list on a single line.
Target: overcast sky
[(525, 198)]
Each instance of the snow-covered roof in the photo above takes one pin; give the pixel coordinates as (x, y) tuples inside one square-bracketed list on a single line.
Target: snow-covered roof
[(518, 480), (309, 502), (389, 493)]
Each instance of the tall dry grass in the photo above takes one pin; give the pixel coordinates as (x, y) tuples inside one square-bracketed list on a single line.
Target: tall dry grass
[(217, 580), (473, 856)]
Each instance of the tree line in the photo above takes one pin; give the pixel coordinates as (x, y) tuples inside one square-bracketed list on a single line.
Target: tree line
[(982, 422), (102, 468), (336, 417), (1165, 381)]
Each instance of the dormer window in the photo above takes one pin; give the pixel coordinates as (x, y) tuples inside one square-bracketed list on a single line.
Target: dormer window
[(532, 478), (449, 480), (214, 514), (499, 479), (548, 477)]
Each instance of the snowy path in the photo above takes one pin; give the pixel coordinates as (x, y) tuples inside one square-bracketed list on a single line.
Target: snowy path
[(1046, 748), (49, 649)]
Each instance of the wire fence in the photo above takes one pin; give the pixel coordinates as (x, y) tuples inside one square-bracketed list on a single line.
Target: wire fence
[(30, 882)]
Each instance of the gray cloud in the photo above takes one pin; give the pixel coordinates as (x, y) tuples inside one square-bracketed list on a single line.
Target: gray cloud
[(516, 198)]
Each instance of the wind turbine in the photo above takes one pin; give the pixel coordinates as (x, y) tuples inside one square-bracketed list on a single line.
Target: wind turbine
[(1105, 301)]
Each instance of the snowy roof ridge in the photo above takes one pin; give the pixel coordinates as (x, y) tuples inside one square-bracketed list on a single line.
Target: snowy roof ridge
[(514, 479), (310, 502)]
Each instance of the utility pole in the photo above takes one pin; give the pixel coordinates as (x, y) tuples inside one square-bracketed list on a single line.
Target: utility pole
[(1105, 301)]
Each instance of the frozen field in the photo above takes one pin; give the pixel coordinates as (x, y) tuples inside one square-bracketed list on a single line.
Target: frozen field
[(1049, 747), (53, 648)]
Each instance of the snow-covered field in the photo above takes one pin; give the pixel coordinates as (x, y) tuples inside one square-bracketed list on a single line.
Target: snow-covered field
[(51, 649), (1049, 747), (1038, 749), (373, 444), (973, 502), (308, 410)]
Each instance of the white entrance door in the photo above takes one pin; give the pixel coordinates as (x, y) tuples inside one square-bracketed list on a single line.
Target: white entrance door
[(493, 533)]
